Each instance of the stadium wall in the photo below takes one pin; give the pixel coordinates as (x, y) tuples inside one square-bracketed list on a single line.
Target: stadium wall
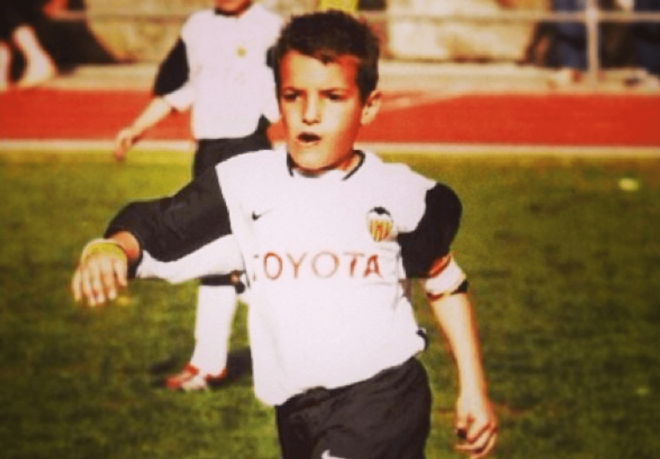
[(149, 40)]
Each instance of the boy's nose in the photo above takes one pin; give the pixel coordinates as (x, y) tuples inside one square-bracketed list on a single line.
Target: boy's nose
[(311, 111)]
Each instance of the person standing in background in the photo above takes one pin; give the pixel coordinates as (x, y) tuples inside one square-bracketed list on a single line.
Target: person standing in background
[(219, 70), (36, 45), (18, 39), (646, 44), (570, 43)]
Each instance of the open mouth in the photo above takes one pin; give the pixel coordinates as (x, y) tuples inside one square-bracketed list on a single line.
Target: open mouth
[(308, 138)]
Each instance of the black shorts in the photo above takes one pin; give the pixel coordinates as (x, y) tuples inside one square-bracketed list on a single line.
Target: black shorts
[(385, 417), (214, 151)]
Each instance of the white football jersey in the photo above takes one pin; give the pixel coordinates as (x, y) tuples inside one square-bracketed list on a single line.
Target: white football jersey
[(230, 85), (325, 257)]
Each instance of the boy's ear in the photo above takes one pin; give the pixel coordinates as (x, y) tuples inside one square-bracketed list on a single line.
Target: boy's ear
[(371, 107)]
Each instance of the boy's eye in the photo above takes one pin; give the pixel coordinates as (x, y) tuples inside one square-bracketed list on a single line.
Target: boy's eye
[(335, 96), (289, 96)]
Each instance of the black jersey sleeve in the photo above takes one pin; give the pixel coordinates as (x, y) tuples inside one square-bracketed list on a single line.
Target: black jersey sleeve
[(174, 226), (432, 237), (270, 58), (173, 72)]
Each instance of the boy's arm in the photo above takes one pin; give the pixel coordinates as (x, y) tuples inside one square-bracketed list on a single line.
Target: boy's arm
[(476, 424), (426, 253), (106, 265), (157, 110), (174, 238), (172, 76)]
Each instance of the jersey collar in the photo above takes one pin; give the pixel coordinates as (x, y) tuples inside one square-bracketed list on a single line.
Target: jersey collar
[(293, 172)]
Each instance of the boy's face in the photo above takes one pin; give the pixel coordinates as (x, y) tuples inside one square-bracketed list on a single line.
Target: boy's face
[(322, 111), (232, 6)]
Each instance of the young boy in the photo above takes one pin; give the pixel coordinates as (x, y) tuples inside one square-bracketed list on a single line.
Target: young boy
[(218, 69), (325, 233)]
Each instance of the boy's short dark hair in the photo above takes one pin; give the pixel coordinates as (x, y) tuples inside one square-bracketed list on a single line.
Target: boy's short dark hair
[(328, 35)]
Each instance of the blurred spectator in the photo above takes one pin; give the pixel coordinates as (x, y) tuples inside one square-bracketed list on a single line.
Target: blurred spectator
[(379, 26), (35, 46), (619, 44), (569, 46), (71, 43), (646, 45), (18, 38)]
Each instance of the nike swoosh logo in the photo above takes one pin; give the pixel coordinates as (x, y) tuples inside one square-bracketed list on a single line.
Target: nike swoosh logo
[(327, 455), (256, 216)]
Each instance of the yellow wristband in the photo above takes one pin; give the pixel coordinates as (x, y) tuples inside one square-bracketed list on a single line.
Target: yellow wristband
[(105, 247)]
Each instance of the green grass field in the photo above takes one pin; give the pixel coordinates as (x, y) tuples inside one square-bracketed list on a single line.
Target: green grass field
[(564, 268)]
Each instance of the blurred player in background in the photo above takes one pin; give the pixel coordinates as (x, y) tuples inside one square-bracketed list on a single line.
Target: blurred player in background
[(326, 233), (219, 70)]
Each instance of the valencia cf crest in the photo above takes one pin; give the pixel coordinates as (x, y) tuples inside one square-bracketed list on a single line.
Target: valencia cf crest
[(380, 224)]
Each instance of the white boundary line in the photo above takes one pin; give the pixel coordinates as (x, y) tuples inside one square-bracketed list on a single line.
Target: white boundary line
[(587, 151), (186, 146), (77, 146)]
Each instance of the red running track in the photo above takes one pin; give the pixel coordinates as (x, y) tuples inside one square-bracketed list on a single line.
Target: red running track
[(563, 120)]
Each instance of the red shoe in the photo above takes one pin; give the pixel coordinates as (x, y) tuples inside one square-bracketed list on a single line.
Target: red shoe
[(190, 379)]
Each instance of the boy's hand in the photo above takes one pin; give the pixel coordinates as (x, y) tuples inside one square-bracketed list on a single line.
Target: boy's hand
[(125, 139), (101, 272), (476, 425)]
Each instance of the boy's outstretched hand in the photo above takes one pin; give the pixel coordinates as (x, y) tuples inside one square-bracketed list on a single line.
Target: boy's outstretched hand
[(476, 426), (101, 272), (125, 139)]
